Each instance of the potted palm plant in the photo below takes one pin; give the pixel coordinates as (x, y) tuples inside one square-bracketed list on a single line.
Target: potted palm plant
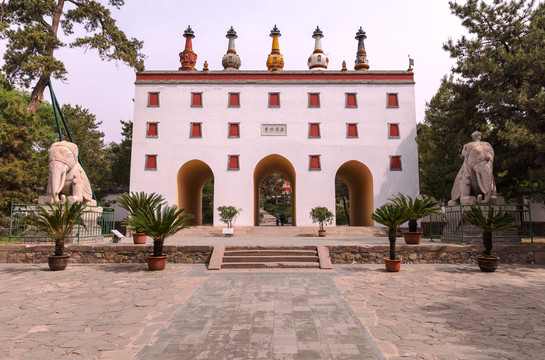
[(488, 223), (322, 216), (135, 201), (392, 215), (57, 221), (419, 208), (159, 223), (228, 216)]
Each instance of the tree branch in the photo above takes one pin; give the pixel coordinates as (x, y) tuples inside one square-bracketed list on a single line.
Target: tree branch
[(3, 12), (77, 3)]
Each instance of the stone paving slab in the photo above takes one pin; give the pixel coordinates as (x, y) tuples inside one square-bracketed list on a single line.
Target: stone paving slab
[(450, 311), (264, 316), (87, 312)]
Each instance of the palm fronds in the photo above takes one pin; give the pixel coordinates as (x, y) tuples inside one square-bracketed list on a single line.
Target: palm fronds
[(159, 223), (489, 223), (57, 221), (391, 215), (419, 207)]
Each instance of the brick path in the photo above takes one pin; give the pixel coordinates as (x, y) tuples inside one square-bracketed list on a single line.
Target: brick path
[(123, 311)]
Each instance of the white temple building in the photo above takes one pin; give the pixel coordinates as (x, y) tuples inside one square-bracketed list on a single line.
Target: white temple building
[(238, 127)]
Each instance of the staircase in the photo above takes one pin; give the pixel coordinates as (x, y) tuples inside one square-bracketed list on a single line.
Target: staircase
[(262, 257)]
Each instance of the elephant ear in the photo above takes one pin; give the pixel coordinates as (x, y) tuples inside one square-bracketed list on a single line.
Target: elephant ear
[(455, 193)]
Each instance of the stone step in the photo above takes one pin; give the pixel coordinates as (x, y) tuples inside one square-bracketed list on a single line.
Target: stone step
[(273, 252), (246, 257), (269, 259), (267, 265)]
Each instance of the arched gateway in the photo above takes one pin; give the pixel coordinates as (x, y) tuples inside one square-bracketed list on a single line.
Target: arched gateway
[(359, 180), (270, 165), (190, 181)]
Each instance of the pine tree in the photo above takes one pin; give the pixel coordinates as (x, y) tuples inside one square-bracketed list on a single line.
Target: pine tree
[(31, 28)]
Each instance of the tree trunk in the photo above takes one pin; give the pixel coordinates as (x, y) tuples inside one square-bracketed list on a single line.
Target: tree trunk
[(413, 225), (37, 95), (346, 212), (392, 238), (59, 247), (38, 91), (157, 247), (487, 242)]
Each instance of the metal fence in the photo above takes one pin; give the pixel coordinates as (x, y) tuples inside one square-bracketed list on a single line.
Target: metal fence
[(452, 225), (99, 223)]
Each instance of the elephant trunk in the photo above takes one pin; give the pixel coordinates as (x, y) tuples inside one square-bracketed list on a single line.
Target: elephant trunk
[(57, 178), (485, 180)]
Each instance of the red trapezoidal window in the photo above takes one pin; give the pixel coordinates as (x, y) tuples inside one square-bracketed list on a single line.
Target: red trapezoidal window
[(234, 130), (392, 100), (393, 130), (351, 100), (314, 100), (395, 162), (234, 100), (314, 162), (152, 130), (151, 162), (153, 99), (314, 130), (196, 130), (233, 162), (196, 99), (274, 99), (352, 130)]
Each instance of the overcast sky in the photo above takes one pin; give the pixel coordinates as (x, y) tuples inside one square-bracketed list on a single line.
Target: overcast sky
[(395, 29)]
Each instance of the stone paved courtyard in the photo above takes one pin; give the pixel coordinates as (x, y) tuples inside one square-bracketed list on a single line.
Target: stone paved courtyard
[(123, 311)]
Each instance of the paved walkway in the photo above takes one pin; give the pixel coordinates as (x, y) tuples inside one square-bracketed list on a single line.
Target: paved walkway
[(123, 311)]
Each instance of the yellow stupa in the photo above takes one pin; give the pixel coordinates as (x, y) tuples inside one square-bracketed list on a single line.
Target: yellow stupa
[(275, 60)]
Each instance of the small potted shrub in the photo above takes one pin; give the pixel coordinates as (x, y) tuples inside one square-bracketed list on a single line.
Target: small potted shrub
[(159, 223), (322, 216), (392, 215), (499, 221), (419, 208), (57, 221), (133, 202), (228, 216)]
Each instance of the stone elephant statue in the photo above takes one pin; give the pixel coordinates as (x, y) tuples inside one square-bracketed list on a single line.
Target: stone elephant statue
[(67, 179), (475, 180)]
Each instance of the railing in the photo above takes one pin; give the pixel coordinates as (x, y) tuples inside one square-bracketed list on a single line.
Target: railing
[(99, 222), (452, 225)]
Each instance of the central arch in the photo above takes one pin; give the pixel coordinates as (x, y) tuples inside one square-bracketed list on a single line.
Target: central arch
[(269, 165), (190, 181), (359, 180)]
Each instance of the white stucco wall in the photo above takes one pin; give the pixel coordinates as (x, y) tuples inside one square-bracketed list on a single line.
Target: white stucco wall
[(174, 147)]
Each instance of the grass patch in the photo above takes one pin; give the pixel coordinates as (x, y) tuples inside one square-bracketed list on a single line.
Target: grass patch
[(539, 240), (5, 240)]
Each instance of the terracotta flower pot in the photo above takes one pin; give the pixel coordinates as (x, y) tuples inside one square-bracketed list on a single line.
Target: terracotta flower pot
[(392, 265), (488, 263), (156, 263), (412, 238), (321, 233), (139, 238), (58, 262)]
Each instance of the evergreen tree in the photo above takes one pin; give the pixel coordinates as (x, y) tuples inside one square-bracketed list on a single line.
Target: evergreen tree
[(23, 166), (120, 156), (499, 72), (31, 28), (90, 141), (450, 118)]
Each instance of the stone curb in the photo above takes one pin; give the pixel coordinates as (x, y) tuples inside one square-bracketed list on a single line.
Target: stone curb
[(340, 254)]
